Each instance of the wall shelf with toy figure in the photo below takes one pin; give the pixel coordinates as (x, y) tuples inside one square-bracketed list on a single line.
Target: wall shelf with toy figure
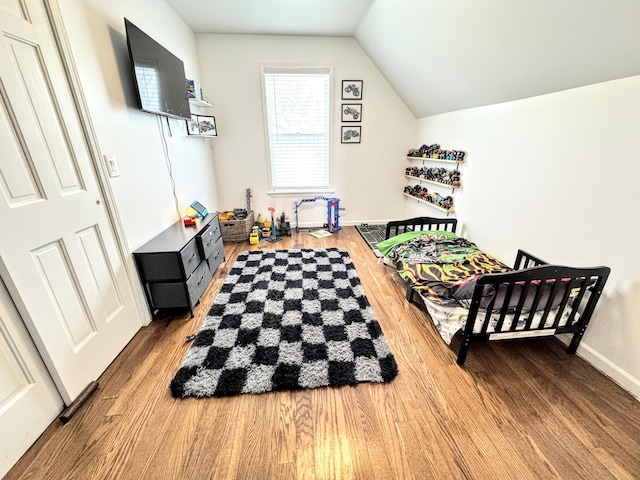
[(435, 175), (431, 159), (424, 180), (451, 209)]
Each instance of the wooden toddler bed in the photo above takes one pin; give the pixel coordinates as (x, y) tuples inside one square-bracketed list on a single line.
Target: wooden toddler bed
[(473, 296)]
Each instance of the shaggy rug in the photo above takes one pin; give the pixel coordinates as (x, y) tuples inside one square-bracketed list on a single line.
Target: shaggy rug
[(283, 320)]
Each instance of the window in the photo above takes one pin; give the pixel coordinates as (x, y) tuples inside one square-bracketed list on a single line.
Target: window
[(297, 110)]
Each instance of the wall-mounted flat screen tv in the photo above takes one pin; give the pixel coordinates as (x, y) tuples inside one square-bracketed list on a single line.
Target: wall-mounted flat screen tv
[(159, 75)]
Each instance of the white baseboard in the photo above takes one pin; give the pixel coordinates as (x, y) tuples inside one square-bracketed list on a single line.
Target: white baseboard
[(608, 368), (611, 370), (348, 223), (368, 222)]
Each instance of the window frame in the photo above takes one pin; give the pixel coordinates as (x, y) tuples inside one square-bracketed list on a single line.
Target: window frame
[(297, 69)]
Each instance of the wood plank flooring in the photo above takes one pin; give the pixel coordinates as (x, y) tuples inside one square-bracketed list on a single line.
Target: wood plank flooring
[(518, 409)]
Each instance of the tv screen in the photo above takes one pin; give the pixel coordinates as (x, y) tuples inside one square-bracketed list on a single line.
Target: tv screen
[(159, 75)]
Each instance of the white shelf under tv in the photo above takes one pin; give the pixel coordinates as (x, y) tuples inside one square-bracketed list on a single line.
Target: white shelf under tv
[(200, 103)]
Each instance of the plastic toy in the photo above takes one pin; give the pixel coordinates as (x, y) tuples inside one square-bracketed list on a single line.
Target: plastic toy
[(333, 212), (254, 236), (269, 231), (284, 227), (199, 208)]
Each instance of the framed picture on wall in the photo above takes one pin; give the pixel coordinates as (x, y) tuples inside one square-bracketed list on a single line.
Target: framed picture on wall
[(351, 134), (192, 126), (351, 112), (352, 89), (202, 126), (207, 126)]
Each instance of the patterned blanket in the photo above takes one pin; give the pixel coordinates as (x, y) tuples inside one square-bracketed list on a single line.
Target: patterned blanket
[(443, 268)]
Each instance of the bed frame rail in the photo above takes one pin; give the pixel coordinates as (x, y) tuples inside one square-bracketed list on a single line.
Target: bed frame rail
[(541, 300), (527, 260), (420, 223)]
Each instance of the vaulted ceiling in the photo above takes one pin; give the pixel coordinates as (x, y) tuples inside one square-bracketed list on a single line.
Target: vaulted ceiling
[(447, 55)]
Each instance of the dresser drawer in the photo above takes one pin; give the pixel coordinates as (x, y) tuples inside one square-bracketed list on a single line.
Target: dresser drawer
[(190, 257), (181, 294), (208, 238), (216, 256), (169, 295), (161, 266), (198, 282)]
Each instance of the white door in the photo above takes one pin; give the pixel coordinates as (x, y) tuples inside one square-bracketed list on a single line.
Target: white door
[(58, 253), (29, 401)]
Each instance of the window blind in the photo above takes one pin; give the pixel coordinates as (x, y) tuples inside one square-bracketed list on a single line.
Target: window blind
[(297, 106)]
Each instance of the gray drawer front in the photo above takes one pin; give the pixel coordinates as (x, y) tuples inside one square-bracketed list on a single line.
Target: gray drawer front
[(190, 257), (198, 282), (208, 238), (169, 295), (217, 255), (160, 266), (181, 294)]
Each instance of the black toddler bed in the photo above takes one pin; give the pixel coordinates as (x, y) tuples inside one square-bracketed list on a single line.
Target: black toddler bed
[(474, 297)]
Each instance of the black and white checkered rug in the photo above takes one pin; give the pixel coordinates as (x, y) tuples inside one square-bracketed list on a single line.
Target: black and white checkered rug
[(286, 319)]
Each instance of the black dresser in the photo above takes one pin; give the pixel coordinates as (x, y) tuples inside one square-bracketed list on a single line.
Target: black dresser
[(176, 266)]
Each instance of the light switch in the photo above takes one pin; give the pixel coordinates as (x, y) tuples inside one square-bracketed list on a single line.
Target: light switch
[(112, 165)]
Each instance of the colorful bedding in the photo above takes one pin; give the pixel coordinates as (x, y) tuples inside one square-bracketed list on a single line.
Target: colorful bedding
[(449, 319), (441, 266)]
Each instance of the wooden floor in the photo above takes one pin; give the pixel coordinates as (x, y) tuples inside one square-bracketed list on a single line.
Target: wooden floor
[(523, 410)]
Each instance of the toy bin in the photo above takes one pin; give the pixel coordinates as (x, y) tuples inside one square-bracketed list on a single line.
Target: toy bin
[(237, 230)]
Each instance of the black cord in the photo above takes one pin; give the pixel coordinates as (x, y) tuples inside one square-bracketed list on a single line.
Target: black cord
[(167, 159)]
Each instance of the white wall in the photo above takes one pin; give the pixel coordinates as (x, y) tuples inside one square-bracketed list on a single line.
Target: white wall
[(365, 175), (143, 192), (557, 175)]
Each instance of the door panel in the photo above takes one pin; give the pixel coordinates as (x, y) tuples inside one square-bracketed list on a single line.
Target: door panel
[(106, 298), (13, 8), (56, 275), (29, 401), (17, 174), (58, 249)]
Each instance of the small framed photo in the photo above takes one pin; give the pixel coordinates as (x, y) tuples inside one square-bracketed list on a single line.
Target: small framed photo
[(207, 126), (202, 126), (192, 126), (352, 89), (351, 134), (351, 112)]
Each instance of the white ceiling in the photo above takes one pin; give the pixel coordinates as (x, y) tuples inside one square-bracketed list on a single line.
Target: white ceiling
[(446, 55), (334, 18)]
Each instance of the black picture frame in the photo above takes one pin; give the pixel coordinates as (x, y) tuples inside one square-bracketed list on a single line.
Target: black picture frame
[(351, 134), (192, 126), (207, 126), (202, 126), (352, 89), (351, 112)]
